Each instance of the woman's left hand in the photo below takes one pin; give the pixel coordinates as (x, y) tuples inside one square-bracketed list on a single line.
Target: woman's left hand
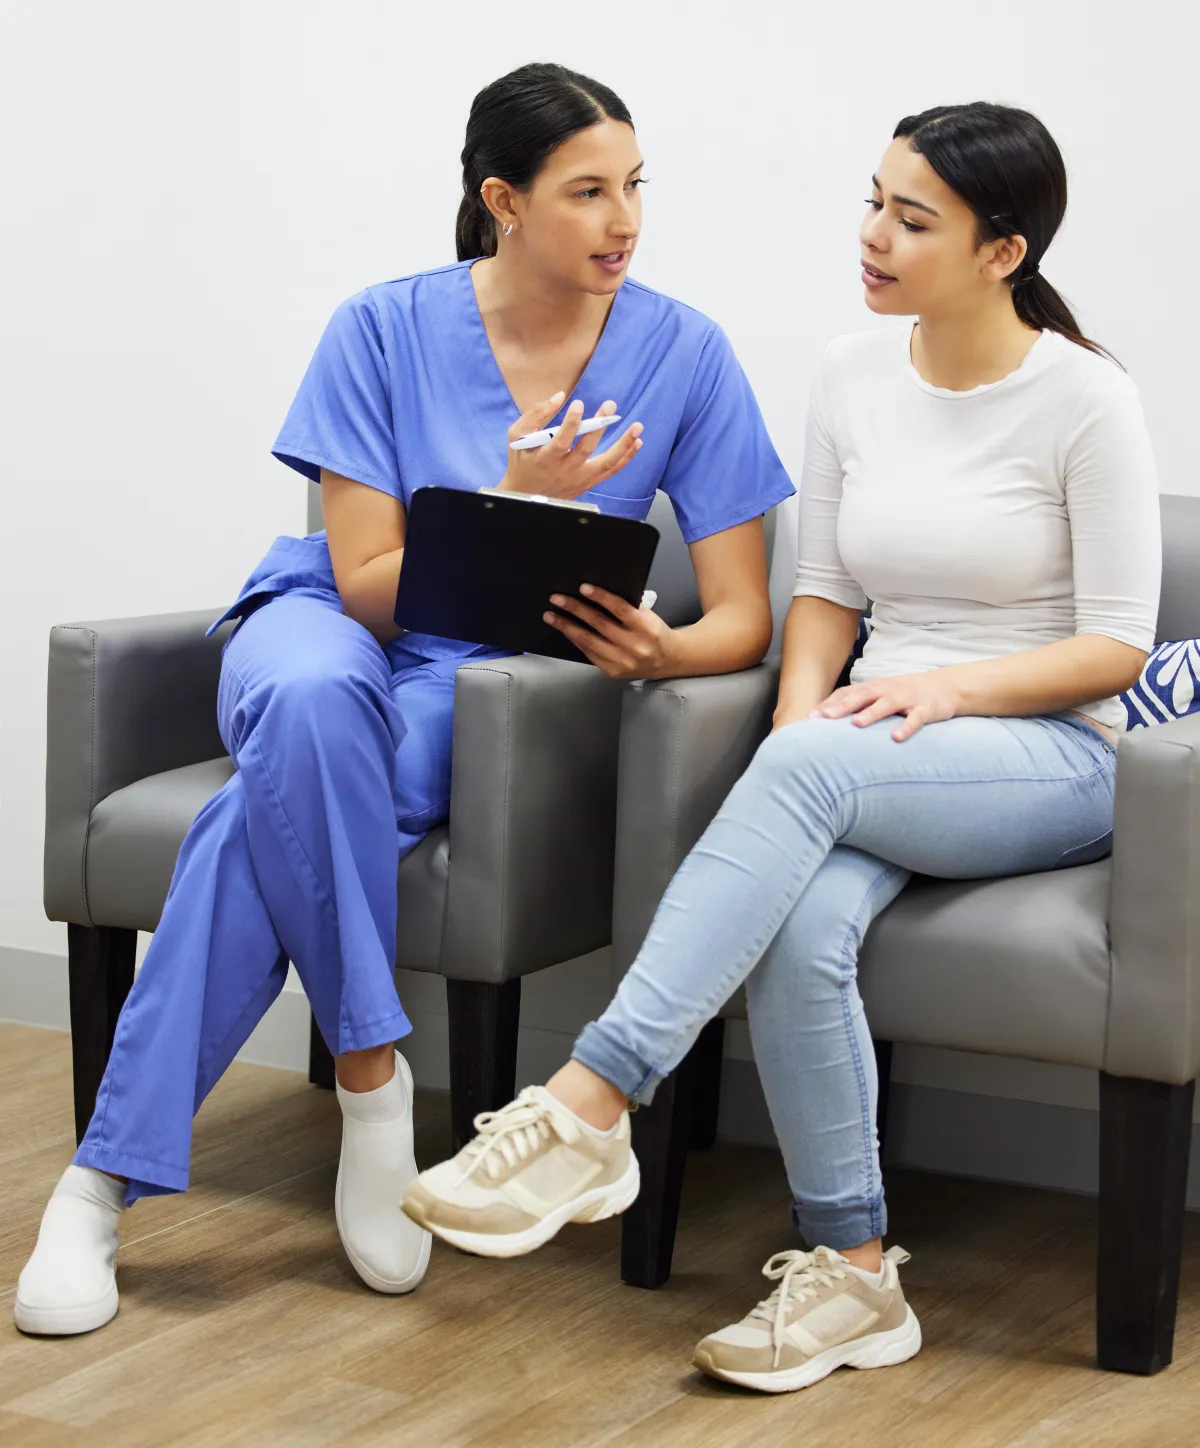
[(625, 642), (922, 698)]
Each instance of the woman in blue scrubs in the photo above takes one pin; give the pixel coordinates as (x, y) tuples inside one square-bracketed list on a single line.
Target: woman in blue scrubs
[(339, 724)]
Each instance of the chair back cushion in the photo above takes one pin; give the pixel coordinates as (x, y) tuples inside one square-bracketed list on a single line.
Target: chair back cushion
[(1169, 687), (1179, 609)]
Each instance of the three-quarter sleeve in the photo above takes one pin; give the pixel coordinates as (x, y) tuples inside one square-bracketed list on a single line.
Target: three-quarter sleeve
[(820, 572), (1111, 488), (341, 418)]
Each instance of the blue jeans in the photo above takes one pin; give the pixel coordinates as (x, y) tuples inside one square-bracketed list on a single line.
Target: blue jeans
[(819, 835)]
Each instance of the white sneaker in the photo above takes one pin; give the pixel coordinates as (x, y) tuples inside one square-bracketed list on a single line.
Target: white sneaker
[(387, 1250), (823, 1315), (533, 1167), (69, 1284)]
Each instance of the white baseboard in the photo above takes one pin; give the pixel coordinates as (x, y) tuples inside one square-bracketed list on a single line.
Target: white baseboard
[(33, 988), (974, 1116)]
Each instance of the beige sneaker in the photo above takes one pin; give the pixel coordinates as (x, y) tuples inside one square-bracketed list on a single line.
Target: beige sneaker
[(533, 1167), (821, 1316)]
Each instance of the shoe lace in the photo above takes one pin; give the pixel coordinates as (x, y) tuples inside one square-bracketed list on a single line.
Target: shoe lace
[(799, 1275), (516, 1132)]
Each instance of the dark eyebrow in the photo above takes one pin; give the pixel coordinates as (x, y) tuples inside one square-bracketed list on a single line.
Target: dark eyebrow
[(575, 180), (907, 200)]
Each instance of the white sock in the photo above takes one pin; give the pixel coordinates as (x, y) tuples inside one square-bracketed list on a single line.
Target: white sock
[(597, 1133), (89, 1185), (388, 1102), (69, 1283), (872, 1279)]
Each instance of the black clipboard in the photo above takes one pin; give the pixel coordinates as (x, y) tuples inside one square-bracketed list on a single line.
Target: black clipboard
[(481, 567)]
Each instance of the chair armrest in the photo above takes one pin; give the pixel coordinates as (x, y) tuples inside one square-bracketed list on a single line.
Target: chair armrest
[(1154, 1008), (532, 816), (684, 744), (126, 698)]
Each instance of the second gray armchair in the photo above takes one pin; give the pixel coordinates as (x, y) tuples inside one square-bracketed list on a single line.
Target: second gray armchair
[(1095, 966)]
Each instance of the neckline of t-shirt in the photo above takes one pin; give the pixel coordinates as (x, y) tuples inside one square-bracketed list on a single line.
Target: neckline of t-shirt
[(1031, 362)]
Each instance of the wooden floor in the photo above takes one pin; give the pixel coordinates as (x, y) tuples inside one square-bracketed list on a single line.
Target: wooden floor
[(242, 1323)]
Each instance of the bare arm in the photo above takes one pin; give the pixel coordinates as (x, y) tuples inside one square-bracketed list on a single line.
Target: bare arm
[(1058, 676), (1046, 680), (366, 531), (734, 632), (817, 640)]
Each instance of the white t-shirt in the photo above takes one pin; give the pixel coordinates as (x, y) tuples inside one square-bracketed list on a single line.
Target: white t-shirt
[(979, 523)]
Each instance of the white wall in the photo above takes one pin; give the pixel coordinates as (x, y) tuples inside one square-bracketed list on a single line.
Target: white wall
[(190, 190)]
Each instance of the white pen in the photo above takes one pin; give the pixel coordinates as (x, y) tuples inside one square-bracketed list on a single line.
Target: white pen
[(540, 439)]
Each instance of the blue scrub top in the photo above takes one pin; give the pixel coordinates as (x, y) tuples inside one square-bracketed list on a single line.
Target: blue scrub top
[(404, 391)]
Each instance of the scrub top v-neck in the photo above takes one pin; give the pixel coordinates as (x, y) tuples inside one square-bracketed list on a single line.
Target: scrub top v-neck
[(486, 378), (404, 391)]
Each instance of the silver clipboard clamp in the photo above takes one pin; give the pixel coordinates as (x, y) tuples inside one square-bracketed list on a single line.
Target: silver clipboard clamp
[(542, 498)]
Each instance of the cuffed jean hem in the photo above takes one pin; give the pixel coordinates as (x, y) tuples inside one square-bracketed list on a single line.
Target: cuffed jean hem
[(144, 1178), (843, 1226), (601, 1051)]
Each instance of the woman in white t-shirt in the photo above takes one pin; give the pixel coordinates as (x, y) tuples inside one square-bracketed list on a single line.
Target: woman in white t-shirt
[(985, 479)]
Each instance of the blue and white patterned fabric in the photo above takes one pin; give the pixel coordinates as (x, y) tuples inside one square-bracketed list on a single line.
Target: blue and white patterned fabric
[(1169, 687)]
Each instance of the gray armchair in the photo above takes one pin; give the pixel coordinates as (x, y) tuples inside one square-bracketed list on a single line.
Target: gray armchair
[(521, 878), (1095, 966)]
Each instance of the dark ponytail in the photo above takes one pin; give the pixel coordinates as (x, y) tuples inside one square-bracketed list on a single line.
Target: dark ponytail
[(514, 125), (1005, 165)]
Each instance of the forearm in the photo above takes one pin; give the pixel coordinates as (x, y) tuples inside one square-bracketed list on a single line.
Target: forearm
[(730, 636), (817, 639), (1047, 680), (369, 595)]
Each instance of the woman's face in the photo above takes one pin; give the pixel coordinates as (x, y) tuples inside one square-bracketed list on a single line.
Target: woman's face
[(920, 248), (579, 221)]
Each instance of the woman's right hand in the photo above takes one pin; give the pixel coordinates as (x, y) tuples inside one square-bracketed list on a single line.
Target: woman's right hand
[(564, 468)]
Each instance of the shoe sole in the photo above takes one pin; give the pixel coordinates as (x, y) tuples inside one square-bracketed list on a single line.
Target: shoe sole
[(66, 1321), (878, 1350), (590, 1206), (376, 1283)]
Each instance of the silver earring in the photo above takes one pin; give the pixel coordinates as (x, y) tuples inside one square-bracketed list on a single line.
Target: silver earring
[(508, 229)]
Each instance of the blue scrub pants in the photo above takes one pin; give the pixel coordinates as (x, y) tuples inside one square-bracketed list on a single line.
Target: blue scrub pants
[(343, 755)]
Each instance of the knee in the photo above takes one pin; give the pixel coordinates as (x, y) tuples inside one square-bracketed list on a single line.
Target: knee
[(314, 686), (799, 754), (314, 696)]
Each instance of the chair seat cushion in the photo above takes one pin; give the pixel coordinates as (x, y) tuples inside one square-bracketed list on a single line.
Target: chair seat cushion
[(135, 837), (1013, 967)]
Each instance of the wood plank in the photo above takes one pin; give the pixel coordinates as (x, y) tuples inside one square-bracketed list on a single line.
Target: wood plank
[(242, 1322)]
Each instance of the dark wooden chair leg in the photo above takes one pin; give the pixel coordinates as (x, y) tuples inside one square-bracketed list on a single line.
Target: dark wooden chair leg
[(483, 1050), (320, 1058), (100, 970), (661, 1133), (883, 1069), (1145, 1136), (709, 1052)]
